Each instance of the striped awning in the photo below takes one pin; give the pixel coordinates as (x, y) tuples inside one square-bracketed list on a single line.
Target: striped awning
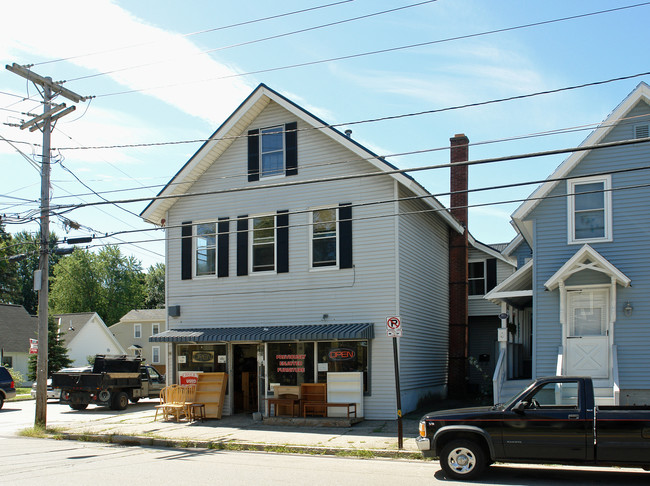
[(305, 332)]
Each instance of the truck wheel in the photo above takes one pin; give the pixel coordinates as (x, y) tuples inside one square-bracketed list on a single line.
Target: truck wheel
[(462, 459), (120, 401), (79, 406), (2, 401)]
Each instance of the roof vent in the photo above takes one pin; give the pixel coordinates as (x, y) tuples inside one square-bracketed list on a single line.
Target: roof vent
[(348, 133), (642, 131)]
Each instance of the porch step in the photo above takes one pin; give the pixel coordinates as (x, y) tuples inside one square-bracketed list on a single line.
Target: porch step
[(604, 396)]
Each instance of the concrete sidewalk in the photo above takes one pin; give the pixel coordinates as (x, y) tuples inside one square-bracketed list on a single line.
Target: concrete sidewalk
[(369, 437)]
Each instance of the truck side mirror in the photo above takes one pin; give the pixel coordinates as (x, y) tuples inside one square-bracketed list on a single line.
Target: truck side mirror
[(520, 406)]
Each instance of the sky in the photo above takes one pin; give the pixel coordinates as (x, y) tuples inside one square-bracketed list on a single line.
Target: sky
[(164, 71)]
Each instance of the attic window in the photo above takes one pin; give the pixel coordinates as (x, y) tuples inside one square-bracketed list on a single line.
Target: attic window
[(642, 131)]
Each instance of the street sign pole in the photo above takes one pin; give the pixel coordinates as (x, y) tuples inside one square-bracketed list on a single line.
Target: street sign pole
[(400, 433), (394, 331)]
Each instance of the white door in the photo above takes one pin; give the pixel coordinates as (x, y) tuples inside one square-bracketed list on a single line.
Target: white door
[(587, 337)]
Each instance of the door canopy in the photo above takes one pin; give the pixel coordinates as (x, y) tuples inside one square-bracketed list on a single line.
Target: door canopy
[(586, 259)]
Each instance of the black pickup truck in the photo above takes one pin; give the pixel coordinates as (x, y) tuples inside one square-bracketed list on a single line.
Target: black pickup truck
[(553, 421), (114, 381)]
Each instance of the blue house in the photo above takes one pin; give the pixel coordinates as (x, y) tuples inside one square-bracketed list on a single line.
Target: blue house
[(578, 302)]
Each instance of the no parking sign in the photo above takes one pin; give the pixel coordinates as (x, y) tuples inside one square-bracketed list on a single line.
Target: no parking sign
[(394, 326)]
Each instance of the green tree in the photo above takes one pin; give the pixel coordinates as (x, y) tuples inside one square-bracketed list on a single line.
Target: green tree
[(8, 272), (29, 244), (106, 282), (57, 353), (154, 285)]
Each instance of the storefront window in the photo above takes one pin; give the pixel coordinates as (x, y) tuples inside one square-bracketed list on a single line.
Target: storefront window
[(343, 356), (201, 357), (290, 364)]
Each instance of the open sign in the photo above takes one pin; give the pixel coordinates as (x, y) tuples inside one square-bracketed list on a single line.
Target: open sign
[(341, 354)]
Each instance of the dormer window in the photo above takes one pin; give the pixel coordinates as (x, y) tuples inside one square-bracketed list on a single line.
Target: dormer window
[(590, 209)]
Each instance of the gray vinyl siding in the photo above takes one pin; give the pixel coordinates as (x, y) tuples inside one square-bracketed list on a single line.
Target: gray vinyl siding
[(631, 220), (365, 293), (424, 301), (477, 305)]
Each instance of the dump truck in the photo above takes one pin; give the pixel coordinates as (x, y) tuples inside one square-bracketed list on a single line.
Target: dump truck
[(114, 381)]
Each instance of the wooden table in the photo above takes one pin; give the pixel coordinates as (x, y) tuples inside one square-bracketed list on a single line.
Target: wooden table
[(197, 411), (292, 402)]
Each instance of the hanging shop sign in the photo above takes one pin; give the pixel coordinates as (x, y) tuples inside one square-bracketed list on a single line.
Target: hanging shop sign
[(291, 363)]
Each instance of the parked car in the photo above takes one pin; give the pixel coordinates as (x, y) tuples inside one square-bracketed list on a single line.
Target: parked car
[(7, 386), (55, 393)]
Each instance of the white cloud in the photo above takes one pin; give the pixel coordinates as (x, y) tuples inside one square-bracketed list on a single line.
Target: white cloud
[(53, 36)]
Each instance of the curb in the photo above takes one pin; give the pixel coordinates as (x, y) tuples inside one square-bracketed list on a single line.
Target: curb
[(134, 440)]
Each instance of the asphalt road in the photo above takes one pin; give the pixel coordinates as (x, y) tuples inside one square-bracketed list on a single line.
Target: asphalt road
[(42, 461), (29, 461)]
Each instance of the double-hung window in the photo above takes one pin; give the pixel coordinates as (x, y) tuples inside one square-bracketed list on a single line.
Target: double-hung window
[(155, 329), (137, 330), (263, 244), (324, 238), (476, 278), (205, 241), (272, 151), (590, 209)]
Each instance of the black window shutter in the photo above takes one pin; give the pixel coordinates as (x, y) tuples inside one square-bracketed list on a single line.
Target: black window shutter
[(282, 233), (186, 250), (491, 277), (253, 155), (291, 146), (345, 235), (242, 245), (223, 238)]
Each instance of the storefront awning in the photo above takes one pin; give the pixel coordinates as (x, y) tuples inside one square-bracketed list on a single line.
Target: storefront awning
[(306, 332)]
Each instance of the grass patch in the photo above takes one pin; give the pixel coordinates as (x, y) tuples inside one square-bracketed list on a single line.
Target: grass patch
[(40, 432), (360, 453)]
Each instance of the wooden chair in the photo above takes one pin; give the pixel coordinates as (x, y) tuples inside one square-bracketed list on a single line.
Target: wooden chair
[(164, 398), (172, 402), (188, 399)]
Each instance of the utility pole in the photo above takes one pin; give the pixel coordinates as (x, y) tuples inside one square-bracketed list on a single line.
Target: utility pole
[(41, 283)]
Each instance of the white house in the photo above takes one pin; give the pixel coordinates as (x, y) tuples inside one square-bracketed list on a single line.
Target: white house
[(85, 334)]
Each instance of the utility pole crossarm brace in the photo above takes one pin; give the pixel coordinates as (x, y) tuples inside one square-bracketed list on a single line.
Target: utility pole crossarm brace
[(35, 78)]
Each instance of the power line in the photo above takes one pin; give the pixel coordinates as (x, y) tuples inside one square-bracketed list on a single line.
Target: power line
[(378, 119), (239, 24), (375, 52), (392, 201), (69, 207), (255, 41), (330, 163)]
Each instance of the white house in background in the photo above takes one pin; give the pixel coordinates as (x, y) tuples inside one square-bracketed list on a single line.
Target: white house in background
[(17, 327), (85, 334), (134, 330)]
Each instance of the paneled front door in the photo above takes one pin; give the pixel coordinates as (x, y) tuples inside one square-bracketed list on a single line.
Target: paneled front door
[(587, 334)]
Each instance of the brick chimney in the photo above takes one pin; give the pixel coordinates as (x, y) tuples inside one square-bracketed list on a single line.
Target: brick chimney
[(458, 286)]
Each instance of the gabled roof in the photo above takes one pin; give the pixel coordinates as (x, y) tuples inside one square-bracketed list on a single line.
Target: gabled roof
[(586, 258), (235, 126), (640, 93), (16, 328), (516, 290), (139, 315), (493, 252)]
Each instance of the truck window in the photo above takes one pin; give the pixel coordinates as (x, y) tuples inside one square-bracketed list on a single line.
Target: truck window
[(555, 395)]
